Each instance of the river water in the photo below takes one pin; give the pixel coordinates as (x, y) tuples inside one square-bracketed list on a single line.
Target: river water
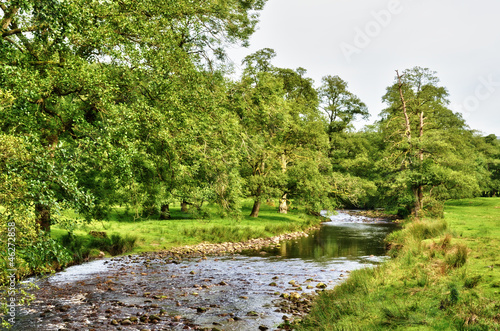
[(238, 292)]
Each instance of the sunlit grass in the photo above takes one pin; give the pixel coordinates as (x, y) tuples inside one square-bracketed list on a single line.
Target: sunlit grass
[(444, 276), (154, 234)]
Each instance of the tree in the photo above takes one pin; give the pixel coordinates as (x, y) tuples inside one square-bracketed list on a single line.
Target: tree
[(427, 144), (74, 67), (282, 133), (340, 106)]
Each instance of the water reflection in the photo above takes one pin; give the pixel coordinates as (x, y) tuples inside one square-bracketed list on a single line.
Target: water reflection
[(334, 240)]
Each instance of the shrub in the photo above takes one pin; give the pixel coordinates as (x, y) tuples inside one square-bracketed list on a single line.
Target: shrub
[(46, 254)]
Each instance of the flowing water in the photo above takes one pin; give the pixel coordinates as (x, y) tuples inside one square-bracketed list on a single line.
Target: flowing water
[(239, 292)]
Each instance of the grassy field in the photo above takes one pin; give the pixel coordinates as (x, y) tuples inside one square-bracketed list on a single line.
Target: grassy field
[(445, 275), (151, 234)]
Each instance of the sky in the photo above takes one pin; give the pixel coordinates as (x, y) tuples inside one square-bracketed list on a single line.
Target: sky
[(365, 41)]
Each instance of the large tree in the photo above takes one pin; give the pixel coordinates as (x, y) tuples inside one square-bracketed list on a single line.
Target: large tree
[(283, 135), (77, 68), (428, 147)]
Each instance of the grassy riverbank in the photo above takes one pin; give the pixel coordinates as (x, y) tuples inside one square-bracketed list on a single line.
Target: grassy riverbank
[(152, 234), (445, 275)]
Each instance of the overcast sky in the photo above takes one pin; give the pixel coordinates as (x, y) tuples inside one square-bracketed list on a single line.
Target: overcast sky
[(365, 41)]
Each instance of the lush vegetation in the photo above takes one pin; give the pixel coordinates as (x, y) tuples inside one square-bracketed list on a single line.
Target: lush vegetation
[(444, 276), (152, 234), (130, 103)]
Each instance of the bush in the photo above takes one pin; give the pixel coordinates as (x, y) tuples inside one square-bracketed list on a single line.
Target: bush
[(45, 255)]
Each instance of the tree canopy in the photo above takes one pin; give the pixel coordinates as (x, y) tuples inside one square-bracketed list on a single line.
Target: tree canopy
[(106, 103)]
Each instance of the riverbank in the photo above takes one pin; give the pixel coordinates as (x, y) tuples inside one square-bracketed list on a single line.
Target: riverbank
[(228, 248), (445, 275), (179, 289), (185, 229)]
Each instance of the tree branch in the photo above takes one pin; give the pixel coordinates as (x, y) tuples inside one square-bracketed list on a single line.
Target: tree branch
[(9, 13), (14, 43), (19, 30)]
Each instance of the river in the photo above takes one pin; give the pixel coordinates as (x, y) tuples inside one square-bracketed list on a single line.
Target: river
[(247, 291)]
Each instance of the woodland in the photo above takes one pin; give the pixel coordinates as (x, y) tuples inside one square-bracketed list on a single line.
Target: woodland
[(108, 103)]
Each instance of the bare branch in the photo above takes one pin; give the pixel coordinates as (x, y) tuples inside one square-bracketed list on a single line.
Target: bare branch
[(407, 120)]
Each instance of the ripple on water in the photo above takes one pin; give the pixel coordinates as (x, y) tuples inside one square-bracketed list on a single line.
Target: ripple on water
[(80, 272)]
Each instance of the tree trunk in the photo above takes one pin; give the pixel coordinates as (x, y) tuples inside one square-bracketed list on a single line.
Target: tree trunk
[(407, 119), (43, 217), (184, 206), (165, 212), (255, 209), (283, 206), (419, 196)]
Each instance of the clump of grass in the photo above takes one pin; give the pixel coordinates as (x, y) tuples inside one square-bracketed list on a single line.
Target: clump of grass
[(457, 256), (413, 233), (83, 246), (471, 282)]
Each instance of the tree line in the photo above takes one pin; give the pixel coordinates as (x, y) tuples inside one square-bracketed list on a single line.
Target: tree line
[(105, 103)]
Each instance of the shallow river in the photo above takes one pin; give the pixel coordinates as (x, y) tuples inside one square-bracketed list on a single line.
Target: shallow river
[(239, 292)]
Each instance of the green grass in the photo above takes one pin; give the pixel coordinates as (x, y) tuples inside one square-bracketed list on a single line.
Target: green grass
[(444, 276), (153, 234)]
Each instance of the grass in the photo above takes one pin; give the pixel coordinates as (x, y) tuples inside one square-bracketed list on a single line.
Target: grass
[(152, 234), (445, 275)]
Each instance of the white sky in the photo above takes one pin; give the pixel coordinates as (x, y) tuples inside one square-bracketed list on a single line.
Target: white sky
[(365, 41)]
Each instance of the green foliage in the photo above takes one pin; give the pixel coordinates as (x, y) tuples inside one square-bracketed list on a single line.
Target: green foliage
[(45, 255), (428, 153), (115, 103)]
